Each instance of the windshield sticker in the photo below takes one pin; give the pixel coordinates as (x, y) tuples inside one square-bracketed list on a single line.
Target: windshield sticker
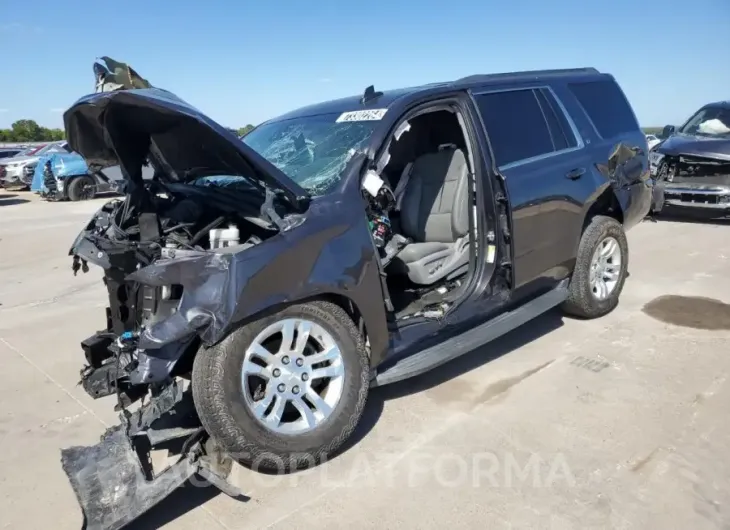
[(362, 115)]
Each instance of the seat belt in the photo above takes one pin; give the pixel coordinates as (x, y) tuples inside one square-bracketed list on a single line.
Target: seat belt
[(402, 183)]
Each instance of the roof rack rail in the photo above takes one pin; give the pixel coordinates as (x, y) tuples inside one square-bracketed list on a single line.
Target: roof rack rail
[(528, 73)]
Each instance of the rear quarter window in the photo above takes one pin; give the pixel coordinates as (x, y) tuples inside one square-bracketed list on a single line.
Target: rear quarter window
[(606, 106), (523, 124)]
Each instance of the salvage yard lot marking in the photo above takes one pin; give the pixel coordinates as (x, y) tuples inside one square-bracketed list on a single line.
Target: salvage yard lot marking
[(362, 115), (589, 364)]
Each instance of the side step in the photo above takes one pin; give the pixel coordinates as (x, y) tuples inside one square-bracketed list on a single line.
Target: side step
[(434, 356)]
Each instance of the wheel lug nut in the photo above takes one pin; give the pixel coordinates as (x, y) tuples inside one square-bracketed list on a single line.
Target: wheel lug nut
[(281, 387), (295, 390), (285, 360), (305, 377), (277, 372), (300, 362)]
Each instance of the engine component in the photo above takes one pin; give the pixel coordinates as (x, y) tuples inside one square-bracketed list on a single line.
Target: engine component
[(224, 237)]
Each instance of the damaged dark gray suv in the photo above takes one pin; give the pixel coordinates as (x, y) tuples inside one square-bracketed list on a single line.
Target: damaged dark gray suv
[(692, 163), (259, 289)]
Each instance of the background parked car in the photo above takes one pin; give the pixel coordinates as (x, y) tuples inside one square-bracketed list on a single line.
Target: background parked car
[(23, 152), (652, 141), (9, 152), (66, 176), (15, 167), (692, 165)]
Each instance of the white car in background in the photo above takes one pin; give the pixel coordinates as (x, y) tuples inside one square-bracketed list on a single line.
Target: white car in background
[(652, 140), (11, 169)]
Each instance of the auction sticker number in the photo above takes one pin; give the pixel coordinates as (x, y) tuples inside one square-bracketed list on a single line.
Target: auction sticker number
[(362, 115)]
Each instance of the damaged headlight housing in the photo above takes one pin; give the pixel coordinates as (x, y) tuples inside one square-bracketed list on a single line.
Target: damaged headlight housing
[(204, 278)]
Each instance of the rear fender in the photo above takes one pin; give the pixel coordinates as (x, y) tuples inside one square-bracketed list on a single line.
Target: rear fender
[(625, 187)]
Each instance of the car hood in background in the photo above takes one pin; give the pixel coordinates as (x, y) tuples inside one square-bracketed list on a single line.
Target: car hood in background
[(127, 127), (704, 146), (18, 160)]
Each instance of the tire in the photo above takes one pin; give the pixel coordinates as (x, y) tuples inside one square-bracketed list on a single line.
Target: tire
[(223, 405), (81, 188), (582, 301)]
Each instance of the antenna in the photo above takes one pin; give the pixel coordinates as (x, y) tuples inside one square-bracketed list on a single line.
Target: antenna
[(370, 94)]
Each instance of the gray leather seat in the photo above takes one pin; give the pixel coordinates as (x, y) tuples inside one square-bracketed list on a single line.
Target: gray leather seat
[(434, 213)]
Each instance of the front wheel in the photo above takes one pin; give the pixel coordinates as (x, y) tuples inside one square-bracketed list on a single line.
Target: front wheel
[(600, 269), (82, 188), (287, 390)]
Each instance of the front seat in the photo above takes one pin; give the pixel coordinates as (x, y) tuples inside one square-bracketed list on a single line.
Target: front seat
[(434, 213)]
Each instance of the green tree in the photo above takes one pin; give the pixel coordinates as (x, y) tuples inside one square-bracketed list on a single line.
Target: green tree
[(243, 131), (30, 131), (57, 134), (26, 131)]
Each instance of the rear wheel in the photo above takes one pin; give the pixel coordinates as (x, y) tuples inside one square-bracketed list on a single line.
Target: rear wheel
[(82, 188), (287, 390), (600, 269)]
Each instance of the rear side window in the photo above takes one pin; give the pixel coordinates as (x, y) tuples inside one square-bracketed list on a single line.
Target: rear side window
[(524, 124), (606, 106)]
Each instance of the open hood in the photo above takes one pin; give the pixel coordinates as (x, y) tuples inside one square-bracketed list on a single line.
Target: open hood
[(128, 127), (701, 146)]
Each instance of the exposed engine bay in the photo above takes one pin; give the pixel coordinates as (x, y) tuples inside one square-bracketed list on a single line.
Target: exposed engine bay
[(689, 166), (696, 181), (178, 221), (204, 218)]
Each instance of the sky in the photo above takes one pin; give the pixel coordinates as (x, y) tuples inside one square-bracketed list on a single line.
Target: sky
[(246, 61)]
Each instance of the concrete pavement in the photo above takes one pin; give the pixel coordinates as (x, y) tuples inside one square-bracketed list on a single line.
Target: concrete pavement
[(618, 423)]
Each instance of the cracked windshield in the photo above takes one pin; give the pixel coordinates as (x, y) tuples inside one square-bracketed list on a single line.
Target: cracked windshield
[(312, 151)]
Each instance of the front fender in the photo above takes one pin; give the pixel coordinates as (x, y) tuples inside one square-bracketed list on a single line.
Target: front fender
[(331, 252)]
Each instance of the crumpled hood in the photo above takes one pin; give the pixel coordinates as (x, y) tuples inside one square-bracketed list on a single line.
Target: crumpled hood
[(129, 127), (704, 146)]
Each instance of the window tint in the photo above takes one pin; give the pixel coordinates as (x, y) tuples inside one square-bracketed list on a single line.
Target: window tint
[(606, 106), (516, 126), (562, 121), (556, 132)]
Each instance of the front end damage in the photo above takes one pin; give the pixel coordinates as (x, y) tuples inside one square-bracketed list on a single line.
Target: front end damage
[(694, 181), (175, 252), (142, 359), (115, 480)]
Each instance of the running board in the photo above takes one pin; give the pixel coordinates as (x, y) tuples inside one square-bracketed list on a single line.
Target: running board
[(434, 356)]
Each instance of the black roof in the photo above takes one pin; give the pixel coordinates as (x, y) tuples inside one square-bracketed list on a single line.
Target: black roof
[(389, 97), (722, 104)]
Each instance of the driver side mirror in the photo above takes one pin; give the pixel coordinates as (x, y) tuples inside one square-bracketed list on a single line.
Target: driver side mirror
[(668, 131)]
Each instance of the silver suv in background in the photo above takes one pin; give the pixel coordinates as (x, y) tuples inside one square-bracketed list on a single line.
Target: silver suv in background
[(12, 170), (9, 152)]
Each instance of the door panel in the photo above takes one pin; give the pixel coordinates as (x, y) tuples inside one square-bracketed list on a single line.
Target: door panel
[(547, 214), (546, 172)]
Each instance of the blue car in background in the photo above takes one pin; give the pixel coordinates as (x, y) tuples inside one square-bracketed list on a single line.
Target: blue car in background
[(66, 176)]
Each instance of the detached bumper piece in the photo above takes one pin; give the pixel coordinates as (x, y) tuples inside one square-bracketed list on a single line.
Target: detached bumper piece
[(114, 480), (110, 485)]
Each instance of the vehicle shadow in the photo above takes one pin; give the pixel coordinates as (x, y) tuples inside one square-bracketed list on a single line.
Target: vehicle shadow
[(189, 497), (9, 199), (543, 325), (180, 502)]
